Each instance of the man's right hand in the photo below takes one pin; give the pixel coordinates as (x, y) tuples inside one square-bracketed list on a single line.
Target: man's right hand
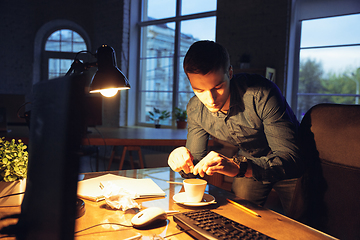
[(181, 159)]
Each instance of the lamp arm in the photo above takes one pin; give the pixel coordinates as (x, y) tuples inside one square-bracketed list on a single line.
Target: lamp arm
[(78, 67)]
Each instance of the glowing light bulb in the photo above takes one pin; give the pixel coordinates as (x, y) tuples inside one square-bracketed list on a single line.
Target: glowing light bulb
[(109, 92)]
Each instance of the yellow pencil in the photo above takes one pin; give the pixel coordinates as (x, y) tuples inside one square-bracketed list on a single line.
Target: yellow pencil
[(244, 208)]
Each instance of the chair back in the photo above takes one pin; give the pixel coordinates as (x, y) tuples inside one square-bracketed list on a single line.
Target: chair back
[(330, 141)]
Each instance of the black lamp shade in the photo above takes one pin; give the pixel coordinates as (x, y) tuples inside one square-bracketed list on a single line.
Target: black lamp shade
[(108, 75)]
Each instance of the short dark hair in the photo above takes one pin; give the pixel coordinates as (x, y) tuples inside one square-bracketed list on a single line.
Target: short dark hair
[(206, 56)]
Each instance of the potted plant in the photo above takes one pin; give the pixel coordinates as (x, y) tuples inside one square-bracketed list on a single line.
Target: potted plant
[(13, 172), (158, 115), (181, 117)]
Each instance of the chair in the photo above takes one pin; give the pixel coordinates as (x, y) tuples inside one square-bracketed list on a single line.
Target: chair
[(328, 195)]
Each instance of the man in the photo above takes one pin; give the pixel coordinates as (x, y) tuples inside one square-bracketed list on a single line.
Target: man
[(247, 111)]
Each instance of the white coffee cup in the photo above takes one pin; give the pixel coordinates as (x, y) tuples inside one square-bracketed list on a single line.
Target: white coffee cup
[(194, 189)]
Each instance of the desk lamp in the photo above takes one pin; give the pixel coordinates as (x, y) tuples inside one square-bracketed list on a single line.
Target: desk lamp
[(108, 79)]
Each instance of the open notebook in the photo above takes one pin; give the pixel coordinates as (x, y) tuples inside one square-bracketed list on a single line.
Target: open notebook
[(90, 188)]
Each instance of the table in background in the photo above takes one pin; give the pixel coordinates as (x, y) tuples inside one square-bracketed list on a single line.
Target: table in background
[(117, 136), (135, 136), (130, 137)]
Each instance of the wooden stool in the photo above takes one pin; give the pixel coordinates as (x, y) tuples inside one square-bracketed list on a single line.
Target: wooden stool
[(127, 148)]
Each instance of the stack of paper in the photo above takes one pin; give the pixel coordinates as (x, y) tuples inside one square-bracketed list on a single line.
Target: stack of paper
[(90, 188)]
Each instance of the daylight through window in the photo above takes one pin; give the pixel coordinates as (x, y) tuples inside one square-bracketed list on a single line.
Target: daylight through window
[(167, 33), (329, 70), (60, 49)]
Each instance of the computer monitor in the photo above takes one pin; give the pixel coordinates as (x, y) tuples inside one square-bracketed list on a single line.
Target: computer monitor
[(48, 210)]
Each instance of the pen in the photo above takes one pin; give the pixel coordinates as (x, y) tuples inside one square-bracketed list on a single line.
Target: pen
[(180, 183), (243, 208)]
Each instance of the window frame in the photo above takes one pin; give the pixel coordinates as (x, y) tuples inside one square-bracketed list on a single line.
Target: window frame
[(57, 54), (40, 64), (306, 10), (134, 118)]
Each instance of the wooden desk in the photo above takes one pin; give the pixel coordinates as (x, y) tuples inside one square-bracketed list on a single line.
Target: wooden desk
[(270, 223)]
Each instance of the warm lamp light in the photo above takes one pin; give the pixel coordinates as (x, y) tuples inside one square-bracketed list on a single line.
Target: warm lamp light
[(108, 78)]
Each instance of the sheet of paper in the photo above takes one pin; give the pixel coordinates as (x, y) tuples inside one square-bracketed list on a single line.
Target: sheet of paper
[(145, 187), (90, 188)]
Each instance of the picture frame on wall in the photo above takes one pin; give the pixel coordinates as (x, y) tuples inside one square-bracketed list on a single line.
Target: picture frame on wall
[(270, 74)]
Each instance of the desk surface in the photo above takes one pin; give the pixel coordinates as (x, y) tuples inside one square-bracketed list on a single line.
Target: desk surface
[(270, 223)]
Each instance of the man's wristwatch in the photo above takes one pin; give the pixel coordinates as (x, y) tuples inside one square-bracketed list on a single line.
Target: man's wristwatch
[(241, 161)]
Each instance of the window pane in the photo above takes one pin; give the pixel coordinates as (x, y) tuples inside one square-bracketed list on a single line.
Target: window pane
[(65, 40), (77, 37), (65, 65), (194, 30), (158, 40), (66, 35), (157, 74), (157, 83), (66, 47), (334, 60), (58, 67), (77, 47), (55, 36), (53, 68), (156, 9), (52, 46), (197, 6), (184, 98), (184, 84), (331, 31), (190, 34), (160, 100), (157, 55), (329, 74)]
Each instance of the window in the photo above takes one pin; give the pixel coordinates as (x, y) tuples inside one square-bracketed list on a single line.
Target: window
[(60, 49), (329, 70), (166, 34)]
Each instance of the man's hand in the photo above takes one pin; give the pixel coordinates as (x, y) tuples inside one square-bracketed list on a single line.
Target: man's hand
[(215, 162), (181, 159)]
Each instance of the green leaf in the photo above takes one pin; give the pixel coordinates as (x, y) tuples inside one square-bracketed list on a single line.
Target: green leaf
[(13, 160)]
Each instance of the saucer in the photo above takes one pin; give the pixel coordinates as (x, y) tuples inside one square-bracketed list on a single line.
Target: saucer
[(180, 198)]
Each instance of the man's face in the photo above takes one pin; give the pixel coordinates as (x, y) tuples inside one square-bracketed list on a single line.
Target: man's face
[(213, 89)]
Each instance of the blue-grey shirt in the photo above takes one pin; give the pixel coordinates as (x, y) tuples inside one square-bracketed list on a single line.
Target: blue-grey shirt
[(259, 122)]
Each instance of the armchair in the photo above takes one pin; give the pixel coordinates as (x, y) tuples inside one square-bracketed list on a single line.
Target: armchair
[(328, 195)]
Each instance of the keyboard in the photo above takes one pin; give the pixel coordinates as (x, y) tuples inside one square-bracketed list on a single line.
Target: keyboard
[(206, 224)]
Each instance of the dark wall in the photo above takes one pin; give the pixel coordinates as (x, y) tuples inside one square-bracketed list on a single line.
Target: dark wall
[(20, 20), (259, 28), (16, 56)]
